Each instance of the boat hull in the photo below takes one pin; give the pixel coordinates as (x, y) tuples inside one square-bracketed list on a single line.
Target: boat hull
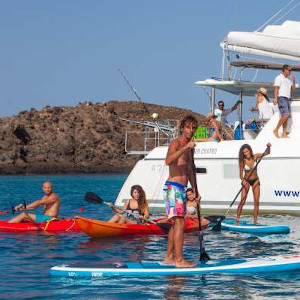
[(235, 266), (62, 225), (97, 228)]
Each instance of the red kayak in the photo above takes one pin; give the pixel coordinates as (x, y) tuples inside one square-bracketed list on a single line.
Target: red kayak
[(96, 228), (65, 225)]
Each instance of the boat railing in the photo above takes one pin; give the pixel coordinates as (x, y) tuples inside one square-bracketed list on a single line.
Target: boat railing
[(141, 143)]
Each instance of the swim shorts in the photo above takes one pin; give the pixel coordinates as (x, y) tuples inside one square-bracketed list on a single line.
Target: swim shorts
[(284, 105), (42, 218), (175, 199)]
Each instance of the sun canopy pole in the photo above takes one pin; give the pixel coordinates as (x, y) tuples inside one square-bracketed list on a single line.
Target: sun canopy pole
[(213, 100), (241, 116)]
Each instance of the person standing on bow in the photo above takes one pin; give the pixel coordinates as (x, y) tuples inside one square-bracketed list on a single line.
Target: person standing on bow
[(249, 177), (283, 87), (180, 159)]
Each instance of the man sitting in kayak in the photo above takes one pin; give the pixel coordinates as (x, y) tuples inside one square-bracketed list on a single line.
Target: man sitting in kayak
[(134, 210), (50, 201)]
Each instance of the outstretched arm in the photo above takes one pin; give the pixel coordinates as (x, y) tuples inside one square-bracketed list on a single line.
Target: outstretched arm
[(37, 203), (119, 210), (234, 107), (267, 152)]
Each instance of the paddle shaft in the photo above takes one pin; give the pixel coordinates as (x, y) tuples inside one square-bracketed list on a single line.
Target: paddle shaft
[(203, 255), (93, 198), (255, 167)]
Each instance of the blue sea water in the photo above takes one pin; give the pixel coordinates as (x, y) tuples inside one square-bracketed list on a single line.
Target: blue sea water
[(27, 258)]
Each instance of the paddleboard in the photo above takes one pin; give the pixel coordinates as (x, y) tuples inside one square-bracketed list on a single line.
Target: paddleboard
[(248, 227), (231, 266)]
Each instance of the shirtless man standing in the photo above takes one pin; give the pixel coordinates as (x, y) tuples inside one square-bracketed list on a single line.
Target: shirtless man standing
[(51, 202), (181, 170)]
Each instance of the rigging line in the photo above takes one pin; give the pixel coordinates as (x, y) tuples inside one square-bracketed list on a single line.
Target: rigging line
[(288, 12), (206, 91), (134, 91), (275, 15)]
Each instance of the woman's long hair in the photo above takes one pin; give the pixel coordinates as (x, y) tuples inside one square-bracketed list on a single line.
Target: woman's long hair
[(142, 202), (241, 154)]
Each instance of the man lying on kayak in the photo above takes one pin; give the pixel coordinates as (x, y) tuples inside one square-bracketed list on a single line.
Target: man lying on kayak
[(50, 201)]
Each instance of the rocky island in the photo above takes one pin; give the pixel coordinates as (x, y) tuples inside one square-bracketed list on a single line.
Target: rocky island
[(88, 138)]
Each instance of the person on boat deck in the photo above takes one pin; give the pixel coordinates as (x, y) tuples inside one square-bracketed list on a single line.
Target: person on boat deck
[(134, 210), (180, 159), (191, 207), (50, 201), (262, 104), (249, 177), (222, 114), (283, 87), (215, 130)]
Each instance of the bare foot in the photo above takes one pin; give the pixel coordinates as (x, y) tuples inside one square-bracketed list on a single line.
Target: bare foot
[(276, 133), (184, 264), (169, 261), (285, 136), (237, 223)]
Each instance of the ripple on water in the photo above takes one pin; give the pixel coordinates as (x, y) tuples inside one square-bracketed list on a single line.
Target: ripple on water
[(27, 258)]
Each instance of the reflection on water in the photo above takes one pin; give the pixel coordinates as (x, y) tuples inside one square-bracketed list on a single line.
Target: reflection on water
[(175, 284)]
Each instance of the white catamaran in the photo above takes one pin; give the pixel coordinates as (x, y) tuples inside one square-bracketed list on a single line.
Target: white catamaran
[(217, 163)]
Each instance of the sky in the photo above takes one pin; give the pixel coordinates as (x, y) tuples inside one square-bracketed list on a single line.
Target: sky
[(62, 52)]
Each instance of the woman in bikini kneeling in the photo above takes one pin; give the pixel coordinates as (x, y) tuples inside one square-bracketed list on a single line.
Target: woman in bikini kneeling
[(134, 210), (249, 177)]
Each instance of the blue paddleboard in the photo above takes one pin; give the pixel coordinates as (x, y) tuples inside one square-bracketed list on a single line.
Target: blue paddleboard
[(231, 266), (248, 227)]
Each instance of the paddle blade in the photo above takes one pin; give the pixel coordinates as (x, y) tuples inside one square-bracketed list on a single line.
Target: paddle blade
[(217, 227), (92, 198), (204, 257), (215, 219)]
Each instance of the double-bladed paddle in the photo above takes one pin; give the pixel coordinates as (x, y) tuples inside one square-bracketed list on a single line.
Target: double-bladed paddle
[(218, 226), (13, 207), (94, 198)]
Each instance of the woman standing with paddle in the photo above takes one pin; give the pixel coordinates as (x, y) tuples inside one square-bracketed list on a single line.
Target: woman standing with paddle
[(248, 173), (136, 208)]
